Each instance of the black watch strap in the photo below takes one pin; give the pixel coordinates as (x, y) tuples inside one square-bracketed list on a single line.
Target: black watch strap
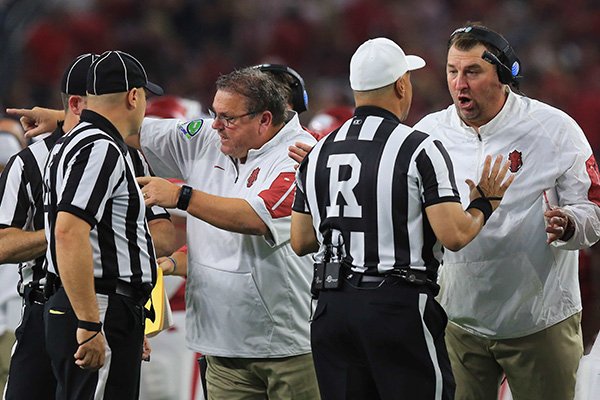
[(90, 326), (185, 195)]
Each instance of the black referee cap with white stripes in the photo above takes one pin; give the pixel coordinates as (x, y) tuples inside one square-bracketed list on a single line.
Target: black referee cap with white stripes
[(74, 80), (116, 72)]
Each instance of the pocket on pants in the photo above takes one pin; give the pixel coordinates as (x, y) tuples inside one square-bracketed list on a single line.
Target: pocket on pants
[(61, 326), (319, 311)]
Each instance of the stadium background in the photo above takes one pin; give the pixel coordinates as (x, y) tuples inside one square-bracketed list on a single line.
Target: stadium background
[(186, 44)]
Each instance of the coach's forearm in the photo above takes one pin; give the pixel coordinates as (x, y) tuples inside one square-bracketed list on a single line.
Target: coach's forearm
[(230, 214)]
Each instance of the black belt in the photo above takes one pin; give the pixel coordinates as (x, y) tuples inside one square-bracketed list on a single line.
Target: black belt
[(408, 275), (122, 288), (107, 286)]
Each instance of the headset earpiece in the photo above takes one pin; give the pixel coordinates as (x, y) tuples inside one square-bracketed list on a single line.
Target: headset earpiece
[(504, 73), (299, 94)]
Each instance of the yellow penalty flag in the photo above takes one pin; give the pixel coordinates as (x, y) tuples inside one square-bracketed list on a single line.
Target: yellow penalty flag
[(163, 318)]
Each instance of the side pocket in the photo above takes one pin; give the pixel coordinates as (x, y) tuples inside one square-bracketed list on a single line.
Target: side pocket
[(435, 317), (319, 311), (60, 326)]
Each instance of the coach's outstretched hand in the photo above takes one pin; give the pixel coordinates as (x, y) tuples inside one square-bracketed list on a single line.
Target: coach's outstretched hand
[(37, 120), (492, 184), (158, 191)]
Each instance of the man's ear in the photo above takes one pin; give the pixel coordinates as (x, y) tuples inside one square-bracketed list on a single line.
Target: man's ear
[(266, 119), (133, 98), (400, 87), (77, 104)]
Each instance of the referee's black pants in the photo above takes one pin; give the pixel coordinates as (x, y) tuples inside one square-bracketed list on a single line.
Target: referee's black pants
[(123, 329), (383, 342), (30, 375)]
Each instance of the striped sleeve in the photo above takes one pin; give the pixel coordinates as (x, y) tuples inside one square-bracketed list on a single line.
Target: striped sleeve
[(141, 168), (14, 200), (92, 173), (437, 174)]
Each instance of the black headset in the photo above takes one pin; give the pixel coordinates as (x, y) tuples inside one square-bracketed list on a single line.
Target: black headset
[(507, 63), (299, 94)]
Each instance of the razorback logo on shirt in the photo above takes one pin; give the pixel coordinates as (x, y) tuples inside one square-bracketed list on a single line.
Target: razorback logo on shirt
[(252, 177), (516, 161), (191, 128), (592, 170), (279, 196)]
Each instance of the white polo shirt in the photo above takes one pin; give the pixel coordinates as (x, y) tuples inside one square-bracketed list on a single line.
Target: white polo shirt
[(246, 295), (508, 282)]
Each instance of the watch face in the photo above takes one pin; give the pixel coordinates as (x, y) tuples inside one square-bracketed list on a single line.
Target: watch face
[(185, 196)]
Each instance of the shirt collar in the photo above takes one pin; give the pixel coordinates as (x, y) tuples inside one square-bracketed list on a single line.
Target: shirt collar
[(502, 119), (365, 111), (54, 136), (292, 125), (105, 125)]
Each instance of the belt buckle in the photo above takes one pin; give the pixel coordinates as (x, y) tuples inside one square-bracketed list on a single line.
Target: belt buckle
[(410, 276)]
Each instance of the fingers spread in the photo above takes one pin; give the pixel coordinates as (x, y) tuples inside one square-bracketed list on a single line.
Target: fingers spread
[(485, 174)]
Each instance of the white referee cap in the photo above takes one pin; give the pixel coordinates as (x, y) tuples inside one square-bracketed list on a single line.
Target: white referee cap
[(380, 62)]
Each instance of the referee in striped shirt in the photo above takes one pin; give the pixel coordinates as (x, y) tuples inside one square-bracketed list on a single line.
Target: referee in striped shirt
[(100, 254), (23, 241), (377, 201)]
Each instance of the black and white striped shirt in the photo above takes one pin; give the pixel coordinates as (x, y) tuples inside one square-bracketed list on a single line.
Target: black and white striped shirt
[(90, 174), (368, 183), (21, 203)]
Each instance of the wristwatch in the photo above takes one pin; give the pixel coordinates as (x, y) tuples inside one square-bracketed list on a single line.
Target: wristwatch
[(185, 195)]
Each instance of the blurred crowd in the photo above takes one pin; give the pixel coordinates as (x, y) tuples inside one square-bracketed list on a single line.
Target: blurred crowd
[(187, 44)]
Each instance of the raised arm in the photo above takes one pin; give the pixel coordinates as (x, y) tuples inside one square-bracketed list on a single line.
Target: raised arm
[(231, 214), (37, 120), (455, 227)]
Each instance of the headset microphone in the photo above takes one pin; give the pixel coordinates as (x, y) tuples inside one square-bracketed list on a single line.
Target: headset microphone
[(492, 59)]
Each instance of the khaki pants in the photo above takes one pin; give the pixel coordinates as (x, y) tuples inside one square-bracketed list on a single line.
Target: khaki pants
[(290, 378), (539, 366), (7, 340)]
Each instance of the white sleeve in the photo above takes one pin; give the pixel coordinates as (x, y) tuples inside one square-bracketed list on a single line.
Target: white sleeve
[(578, 188), (172, 145), (273, 203)]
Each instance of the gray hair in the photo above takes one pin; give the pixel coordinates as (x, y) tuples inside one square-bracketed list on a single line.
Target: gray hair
[(259, 89)]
